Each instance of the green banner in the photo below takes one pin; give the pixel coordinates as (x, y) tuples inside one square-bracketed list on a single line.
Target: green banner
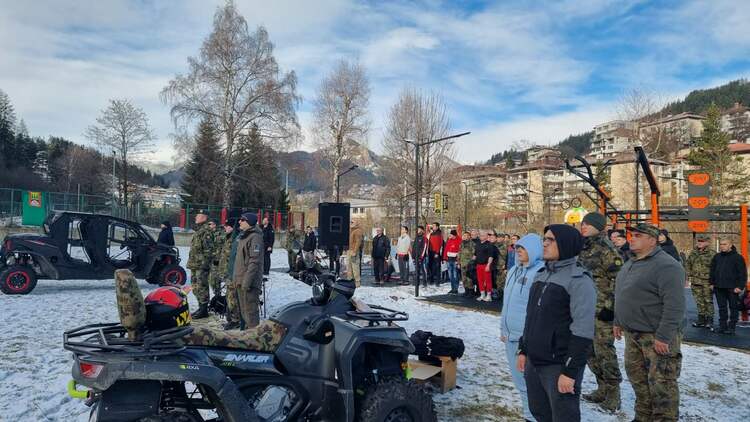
[(34, 208)]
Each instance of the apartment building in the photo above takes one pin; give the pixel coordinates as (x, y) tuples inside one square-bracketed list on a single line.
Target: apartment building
[(683, 128), (611, 138), (736, 122)]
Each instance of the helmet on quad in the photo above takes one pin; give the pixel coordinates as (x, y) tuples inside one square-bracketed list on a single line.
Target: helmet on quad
[(166, 307)]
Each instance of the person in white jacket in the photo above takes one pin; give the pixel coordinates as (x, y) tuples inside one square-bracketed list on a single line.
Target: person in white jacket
[(528, 261)]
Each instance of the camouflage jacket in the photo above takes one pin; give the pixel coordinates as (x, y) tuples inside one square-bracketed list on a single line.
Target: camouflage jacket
[(217, 244), (603, 260), (502, 256), (201, 248), (293, 239), (225, 253), (698, 265), (467, 251)]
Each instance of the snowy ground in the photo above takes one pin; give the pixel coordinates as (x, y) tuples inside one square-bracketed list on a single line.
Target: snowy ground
[(34, 368)]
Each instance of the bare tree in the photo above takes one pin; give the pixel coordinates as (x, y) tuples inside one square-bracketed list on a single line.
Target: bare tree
[(421, 117), (642, 107), (340, 116), (124, 129), (236, 82)]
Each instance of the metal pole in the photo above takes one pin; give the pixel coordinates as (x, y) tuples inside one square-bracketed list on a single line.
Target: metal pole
[(416, 212), (338, 177), (78, 199)]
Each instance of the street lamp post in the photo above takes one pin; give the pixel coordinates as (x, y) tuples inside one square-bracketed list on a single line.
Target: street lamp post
[(417, 145), (338, 182)]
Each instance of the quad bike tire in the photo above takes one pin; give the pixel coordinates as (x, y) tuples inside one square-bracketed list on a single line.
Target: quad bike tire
[(172, 275), (17, 280), (397, 400)]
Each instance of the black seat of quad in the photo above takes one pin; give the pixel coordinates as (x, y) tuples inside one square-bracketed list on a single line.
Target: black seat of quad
[(120, 263), (266, 337)]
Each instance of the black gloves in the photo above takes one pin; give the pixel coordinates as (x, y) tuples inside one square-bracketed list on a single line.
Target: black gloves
[(606, 315)]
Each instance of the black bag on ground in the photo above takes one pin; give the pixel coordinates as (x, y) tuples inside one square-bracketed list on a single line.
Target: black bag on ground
[(420, 339), (452, 347)]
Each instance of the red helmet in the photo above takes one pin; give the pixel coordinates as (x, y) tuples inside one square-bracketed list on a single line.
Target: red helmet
[(166, 307)]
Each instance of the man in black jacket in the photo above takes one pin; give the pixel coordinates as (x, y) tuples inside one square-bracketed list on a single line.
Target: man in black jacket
[(727, 277), (268, 239), (419, 255), (308, 247), (381, 253), (559, 329), (667, 245)]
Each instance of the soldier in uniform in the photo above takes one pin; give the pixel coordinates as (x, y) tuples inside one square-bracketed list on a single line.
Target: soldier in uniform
[(464, 257), (292, 242), (248, 269), (217, 241), (603, 260), (698, 267), (225, 274), (199, 263)]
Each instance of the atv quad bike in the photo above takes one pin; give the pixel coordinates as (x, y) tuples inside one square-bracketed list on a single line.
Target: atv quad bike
[(85, 246), (336, 359)]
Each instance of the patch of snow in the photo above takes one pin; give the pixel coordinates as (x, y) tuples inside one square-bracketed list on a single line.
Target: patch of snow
[(34, 370)]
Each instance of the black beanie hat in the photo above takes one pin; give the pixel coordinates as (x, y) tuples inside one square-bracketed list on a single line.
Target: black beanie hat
[(595, 219), (569, 240)]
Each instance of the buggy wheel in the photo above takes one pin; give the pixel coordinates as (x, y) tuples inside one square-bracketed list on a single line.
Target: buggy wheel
[(17, 280), (397, 400), (172, 275)]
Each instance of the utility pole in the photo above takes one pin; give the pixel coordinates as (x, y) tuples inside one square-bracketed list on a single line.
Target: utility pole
[(417, 145)]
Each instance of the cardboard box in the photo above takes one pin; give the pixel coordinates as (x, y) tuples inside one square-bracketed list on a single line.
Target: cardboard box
[(444, 376)]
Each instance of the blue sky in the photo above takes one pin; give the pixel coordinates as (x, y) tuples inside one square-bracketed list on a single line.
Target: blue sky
[(508, 70)]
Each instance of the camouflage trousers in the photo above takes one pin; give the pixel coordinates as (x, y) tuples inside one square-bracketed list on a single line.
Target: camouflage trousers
[(199, 281), (355, 262), (249, 307), (704, 299), (233, 303), (653, 377), (291, 256), (603, 362), (214, 280), (466, 278)]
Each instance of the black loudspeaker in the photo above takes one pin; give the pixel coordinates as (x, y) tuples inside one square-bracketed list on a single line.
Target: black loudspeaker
[(333, 225)]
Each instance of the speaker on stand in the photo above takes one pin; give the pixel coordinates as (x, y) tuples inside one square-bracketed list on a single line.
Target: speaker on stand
[(333, 230)]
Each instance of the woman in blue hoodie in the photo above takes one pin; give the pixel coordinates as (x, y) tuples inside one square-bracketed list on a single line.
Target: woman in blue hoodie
[(528, 261)]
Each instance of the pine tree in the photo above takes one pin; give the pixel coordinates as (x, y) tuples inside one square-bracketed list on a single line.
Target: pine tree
[(7, 130), (258, 183), (282, 203), (729, 177), (202, 170)]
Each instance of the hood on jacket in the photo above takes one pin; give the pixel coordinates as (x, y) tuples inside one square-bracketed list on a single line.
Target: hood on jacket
[(533, 245)]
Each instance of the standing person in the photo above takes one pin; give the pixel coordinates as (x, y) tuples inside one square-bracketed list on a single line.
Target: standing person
[(225, 274), (668, 246), (248, 269), (698, 269), (484, 254), (199, 263), (215, 274), (649, 308), (497, 270), (269, 237), (475, 237), (603, 261), (292, 246), (450, 255), (464, 258), (381, 253), (559, 328), (419, 254), (166, 235), (728, 277), (403, 253), (356, 241), (513, 317), (309, 246), (621, 243), (511, 261), (435, 245)]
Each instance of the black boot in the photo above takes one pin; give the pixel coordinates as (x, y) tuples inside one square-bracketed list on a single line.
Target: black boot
[(202, 312), (700, 322), (721, 328), (730, 329)]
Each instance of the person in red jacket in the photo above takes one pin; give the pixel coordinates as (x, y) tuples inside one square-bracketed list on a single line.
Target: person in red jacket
[(450, 255), (435, 253)]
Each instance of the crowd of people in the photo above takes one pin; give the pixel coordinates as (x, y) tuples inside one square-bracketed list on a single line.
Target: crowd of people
[(566, 296)]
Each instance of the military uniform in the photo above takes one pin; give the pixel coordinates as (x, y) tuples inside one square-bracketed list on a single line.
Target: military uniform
[(464, 257), (130, 305), (698, 266), (292, 246), (602, 258), (216, 273), (199, 262), (499, 273), (233, 310), (248, 274)]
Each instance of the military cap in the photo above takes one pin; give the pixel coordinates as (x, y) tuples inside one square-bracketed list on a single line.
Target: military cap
[(202, 212), (702, 236), (644, 228)]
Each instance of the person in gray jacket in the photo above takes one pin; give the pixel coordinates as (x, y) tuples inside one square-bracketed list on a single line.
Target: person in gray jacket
[(559, 329), (528, 262), (649, 309)]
